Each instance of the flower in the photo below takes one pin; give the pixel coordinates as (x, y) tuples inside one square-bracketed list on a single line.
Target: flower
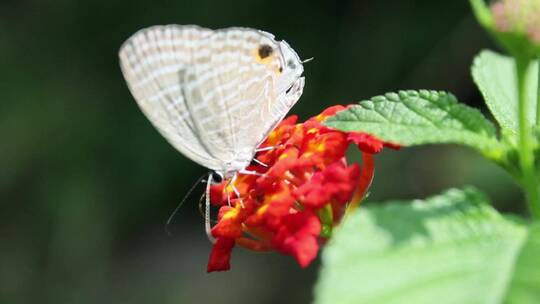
[(514, 24), (518, 16), (304, 189)]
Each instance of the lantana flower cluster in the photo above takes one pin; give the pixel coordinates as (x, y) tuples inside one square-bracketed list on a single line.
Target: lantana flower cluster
[(303, 189)]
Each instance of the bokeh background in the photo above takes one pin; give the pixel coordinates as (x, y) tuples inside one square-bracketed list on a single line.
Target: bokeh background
[(86, 183)]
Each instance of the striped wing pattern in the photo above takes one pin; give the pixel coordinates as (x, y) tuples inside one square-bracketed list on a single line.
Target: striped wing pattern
[(209, 93)]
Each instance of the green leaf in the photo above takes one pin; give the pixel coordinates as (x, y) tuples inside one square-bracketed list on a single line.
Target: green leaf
[(451, 248), (424, 117), (525, 285), (495, 76)]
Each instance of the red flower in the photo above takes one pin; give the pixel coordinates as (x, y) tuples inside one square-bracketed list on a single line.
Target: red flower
[(221, 255), (336, 182), (369, 143), (298, 236), (305, 188)]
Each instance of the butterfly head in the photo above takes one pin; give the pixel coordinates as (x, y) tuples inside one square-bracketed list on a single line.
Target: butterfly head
[(291, 63)]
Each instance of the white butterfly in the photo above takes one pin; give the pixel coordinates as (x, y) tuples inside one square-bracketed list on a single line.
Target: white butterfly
[(213, 94)]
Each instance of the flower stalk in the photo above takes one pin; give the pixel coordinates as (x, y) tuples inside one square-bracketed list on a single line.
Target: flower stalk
[(538, 93), (526, 156)]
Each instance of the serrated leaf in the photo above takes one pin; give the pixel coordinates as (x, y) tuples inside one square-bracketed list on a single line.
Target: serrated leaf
[(495, 76), (451, 248), (415, 118)]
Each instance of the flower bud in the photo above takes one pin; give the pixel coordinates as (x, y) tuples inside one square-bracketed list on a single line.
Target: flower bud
[(520, 17), (515, 24)]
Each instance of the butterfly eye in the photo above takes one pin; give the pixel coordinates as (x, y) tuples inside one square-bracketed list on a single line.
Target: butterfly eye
[(291, 64), (216, 177)]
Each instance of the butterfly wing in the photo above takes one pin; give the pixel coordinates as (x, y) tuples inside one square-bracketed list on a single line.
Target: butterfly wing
[(153, 62), (282, 87), (247, 83), (214, 95)]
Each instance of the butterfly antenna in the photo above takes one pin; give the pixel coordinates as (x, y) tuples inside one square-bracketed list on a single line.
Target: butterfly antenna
[(173, 214), (307, 60)]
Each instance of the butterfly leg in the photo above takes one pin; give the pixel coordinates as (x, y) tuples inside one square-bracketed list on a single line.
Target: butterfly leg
[(233, 179), (250, 172), (228, 196), (268, 148), (260, 163)]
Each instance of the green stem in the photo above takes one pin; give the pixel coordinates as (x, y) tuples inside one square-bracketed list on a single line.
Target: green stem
[(526, 156), (538, 94)]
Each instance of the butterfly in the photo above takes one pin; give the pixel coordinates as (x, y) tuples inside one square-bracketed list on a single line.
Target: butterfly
[(215, 95)]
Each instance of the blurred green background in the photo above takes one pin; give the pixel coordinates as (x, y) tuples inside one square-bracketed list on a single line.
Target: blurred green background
[(86, 183)]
